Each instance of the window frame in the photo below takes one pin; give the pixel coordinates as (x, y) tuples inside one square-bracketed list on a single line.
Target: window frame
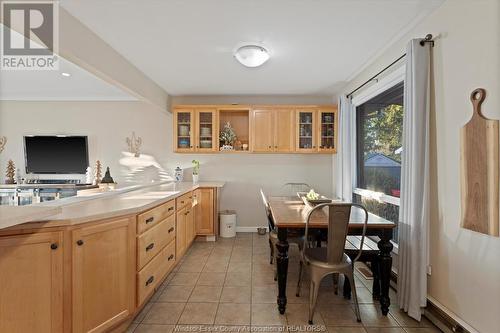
[(381, 85)]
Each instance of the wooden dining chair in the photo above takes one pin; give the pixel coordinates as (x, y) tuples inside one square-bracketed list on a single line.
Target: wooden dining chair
[(273, 234), (323, 261)]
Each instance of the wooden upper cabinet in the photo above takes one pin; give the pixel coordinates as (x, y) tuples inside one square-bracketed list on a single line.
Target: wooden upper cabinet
[(306, 130), (31, 283), (184, 131), (104, 264), (204, 211), (284, 130), (206, 137), (263, 130), (327, 130)]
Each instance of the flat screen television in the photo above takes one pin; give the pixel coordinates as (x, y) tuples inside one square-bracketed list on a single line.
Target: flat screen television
[(56, 154)]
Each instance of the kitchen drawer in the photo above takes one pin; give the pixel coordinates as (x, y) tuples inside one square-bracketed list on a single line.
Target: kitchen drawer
[(153, 216), (184, 200), (154, 240), (153, 273)]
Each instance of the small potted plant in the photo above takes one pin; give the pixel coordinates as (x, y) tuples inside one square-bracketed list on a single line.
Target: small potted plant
[(196, 171)]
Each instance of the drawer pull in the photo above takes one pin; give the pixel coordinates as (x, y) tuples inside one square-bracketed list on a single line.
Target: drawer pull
[(170, 230), (182, 201), (170, 208), (171, 257), (150, 246), (79, 242), (151, 219), (53, 246), (150, 280), (186, 213)]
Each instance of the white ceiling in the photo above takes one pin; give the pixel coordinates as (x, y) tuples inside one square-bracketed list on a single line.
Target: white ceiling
[(50, 85), (186, 46)]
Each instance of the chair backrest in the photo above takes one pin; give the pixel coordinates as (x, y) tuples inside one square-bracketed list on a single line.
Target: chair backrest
[(291, 189), (270, 220), (338, 226)]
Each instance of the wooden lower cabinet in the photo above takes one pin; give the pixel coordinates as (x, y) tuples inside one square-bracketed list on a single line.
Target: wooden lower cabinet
[(204, 211), (95, 276), (190, 227), (180, 236), (31, 283), (103, 274)]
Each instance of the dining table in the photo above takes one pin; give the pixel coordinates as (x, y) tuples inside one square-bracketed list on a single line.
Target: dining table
[(290, 214)]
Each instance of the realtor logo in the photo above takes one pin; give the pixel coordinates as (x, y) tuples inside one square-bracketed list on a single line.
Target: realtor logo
[(30, 35)]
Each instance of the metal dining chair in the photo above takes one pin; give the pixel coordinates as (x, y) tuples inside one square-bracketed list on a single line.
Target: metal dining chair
[(323, 261), (273, 234), (291, 189)]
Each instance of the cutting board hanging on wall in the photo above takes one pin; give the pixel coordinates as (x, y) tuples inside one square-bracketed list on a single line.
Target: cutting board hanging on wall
[(479, 170)]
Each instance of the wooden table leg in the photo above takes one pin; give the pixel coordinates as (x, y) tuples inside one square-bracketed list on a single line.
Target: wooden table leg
[(385, 266), (282, 267)]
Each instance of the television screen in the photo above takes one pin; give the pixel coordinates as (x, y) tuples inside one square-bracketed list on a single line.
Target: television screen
[(56, 154)]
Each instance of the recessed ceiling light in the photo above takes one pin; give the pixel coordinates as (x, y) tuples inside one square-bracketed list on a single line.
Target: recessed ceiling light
[(251, 55), (65, 74)]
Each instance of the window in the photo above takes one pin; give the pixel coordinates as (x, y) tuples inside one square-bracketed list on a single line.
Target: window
[(379, 127)]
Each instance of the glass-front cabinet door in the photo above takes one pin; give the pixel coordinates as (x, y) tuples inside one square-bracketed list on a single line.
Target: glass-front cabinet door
[(206, 132), (184, 130), (327, 130), (306, 131)]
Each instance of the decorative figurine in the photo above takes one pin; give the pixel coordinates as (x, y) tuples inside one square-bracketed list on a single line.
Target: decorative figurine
[(11, 172), (89, 175), (98, 173), (107, 182), (134, 144)]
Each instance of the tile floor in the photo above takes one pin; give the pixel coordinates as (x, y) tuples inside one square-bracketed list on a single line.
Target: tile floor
[(228, 286)]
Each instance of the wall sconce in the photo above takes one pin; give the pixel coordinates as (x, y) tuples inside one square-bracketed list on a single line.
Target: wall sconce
[(134, 144), (3, 141)]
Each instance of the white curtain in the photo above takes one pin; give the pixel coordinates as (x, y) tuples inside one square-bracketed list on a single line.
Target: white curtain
[(414, 209), (344, 153)]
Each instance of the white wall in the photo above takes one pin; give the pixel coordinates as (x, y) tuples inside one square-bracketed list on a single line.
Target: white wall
[(108, 124), (465, 265)]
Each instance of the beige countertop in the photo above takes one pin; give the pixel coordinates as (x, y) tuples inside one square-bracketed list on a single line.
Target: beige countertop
[(78, 210)]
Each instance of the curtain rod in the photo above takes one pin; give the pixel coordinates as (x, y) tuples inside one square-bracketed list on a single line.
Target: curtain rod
[(427, 39)]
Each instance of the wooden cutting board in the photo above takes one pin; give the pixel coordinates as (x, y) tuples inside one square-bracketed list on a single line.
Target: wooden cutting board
[(479, 170)]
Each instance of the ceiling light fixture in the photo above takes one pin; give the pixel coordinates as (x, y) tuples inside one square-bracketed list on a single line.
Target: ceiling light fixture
[(65, 74), (251, 55)]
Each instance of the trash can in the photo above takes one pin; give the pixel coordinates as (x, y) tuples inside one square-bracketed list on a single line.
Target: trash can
[(227, 223)]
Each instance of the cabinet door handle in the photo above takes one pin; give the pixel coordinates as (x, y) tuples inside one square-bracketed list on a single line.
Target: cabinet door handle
[(170, 230), (150, 247), (151, 219), (170, 208), (276, 147), (182, 201), (171, 257), (79, 242), (53, 246), (150, 280), (186, 213)]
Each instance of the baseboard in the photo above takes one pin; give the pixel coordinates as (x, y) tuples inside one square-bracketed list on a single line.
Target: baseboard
[(248, 229), (437, 312)]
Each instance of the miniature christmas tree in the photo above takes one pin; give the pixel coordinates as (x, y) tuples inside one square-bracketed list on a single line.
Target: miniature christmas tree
[(11, 172), (227, 135), (98, 172)]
